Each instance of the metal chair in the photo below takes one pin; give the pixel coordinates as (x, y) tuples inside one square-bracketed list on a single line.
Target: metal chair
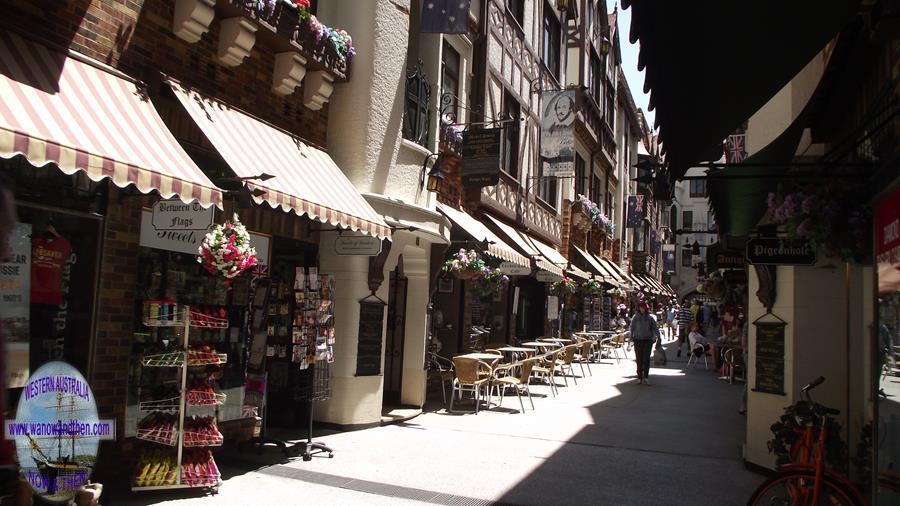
[(442, 368), (471, 376), (697, 351), (734, 360)]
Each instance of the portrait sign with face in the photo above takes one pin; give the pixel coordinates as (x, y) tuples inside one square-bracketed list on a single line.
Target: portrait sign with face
[(558, 133)]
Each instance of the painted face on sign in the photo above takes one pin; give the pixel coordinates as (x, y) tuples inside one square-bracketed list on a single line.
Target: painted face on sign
[(563, 109)]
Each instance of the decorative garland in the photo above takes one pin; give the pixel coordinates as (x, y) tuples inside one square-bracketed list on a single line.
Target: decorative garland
[(226, 250)]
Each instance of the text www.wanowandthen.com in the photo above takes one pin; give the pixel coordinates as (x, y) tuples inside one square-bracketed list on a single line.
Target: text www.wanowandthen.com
[(61, 429)]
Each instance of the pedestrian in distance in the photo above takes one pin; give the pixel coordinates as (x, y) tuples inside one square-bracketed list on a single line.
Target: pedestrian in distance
[(644, 332), (685, 318)]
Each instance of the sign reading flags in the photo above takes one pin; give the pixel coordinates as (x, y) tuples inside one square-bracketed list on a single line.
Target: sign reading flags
[(558, 133), (774, 251), (481, 157), (636, 211)]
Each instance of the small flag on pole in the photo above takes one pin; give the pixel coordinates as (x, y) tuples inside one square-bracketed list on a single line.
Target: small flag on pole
[(445, 16)]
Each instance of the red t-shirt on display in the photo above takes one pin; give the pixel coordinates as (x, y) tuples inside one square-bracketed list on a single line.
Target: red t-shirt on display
[(48, 256)]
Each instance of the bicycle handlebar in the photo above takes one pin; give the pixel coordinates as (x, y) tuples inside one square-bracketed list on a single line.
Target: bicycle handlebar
[(816, 382)]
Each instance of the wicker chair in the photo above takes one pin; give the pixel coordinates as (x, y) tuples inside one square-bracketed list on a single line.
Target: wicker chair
[(471, 376), (519, 382), (545, 368), (584, 355), (568, 355)]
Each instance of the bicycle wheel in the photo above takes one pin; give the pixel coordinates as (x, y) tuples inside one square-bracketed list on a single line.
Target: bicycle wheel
[(796, 488)]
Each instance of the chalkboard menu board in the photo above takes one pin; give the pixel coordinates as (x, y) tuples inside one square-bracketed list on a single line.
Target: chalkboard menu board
[(368, 351), (770, 358)]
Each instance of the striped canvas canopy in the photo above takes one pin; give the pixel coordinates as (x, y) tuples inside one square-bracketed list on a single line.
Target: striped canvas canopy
[(307, 181), (476, 229), (79, 116)]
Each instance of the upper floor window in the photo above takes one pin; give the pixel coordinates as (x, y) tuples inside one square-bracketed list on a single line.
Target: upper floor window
[(450, 70), (552, 39), (673, 217), (610, 209), (417, 113), (609, 107), (517, 9), (687, 220), (698, 187), (596, 81), (596, 190), (510, 151), (579, 175)]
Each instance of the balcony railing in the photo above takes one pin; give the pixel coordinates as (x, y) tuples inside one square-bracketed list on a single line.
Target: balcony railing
[(323, 51), (508, 199)]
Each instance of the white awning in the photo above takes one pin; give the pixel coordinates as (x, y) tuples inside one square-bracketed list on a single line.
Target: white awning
[(478, 231), (529, 245)]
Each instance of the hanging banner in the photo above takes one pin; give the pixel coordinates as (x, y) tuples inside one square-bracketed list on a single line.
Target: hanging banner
[(668, 257), (558, 133), (445, 16), (636, 211), (481, 157), (887, 244)]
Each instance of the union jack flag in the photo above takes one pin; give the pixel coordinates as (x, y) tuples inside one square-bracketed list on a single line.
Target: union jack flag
[(735, 148), (260, 271)]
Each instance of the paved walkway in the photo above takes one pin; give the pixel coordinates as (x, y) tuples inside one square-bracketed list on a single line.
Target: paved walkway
[(606, 441)]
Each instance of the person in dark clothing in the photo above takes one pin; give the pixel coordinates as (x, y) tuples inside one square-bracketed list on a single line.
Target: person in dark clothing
[(644, 332)]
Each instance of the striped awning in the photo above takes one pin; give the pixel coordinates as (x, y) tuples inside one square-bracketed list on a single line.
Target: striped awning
[(616, 272), (81, 116), (597, 267), (474, 228), (307, 181), (528, 245)]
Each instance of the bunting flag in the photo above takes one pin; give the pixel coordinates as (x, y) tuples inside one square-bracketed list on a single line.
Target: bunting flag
[(445, 16)]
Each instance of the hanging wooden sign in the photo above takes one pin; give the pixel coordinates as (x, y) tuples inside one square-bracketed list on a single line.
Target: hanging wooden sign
[(371, 333), (770, 357)]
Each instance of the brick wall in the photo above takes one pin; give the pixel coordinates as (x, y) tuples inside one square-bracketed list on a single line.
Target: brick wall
[(115, 318), (136, 37)]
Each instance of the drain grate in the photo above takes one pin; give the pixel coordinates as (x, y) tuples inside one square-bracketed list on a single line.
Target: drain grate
[(376, 488)]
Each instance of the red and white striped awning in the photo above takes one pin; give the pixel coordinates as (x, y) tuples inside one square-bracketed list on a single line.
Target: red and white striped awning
[(307, 181), (61, 110)]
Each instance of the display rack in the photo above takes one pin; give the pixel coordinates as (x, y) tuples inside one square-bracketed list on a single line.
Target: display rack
[(193, 466)]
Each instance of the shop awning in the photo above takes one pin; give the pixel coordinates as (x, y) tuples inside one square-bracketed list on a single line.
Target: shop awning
[(670, 290), (617, 273), (85, 117), (478, 231), (655, 284), (307, 181), (592, 264), (741, 54), (602, 270), (529, 246)]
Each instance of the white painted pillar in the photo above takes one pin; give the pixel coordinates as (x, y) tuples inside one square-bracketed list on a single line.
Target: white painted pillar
[(354, 400), (415, 267)]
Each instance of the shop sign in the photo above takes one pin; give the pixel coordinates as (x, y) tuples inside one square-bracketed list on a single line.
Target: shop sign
[(774, 251), (728, 259), (173, 225), (552, 307), (887, 244), (357, 245), (514, 269), (547, 277), (368, 350), (57, 417), (770, 358), (481, 157)]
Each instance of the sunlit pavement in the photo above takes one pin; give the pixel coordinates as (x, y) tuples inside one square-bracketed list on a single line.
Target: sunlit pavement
[(607, 440)]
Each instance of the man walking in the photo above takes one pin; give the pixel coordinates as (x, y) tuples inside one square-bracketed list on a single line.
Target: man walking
[(685, 318), (644, 332)]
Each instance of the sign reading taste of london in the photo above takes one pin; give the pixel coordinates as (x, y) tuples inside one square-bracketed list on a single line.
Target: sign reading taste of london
[(774, 251)]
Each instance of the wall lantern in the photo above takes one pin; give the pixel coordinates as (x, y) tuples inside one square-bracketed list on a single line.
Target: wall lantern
[(435, 175)]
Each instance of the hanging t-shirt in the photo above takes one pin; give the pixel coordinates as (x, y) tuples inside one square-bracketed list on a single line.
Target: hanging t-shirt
[(48, 257)]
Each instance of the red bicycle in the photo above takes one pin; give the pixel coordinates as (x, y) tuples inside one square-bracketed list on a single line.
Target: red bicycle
[(806, 481)]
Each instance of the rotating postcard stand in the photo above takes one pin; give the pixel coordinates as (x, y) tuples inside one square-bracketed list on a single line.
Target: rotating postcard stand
[(319, 390)]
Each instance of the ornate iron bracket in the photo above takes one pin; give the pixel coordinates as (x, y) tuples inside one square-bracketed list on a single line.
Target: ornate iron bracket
[(450, 103)]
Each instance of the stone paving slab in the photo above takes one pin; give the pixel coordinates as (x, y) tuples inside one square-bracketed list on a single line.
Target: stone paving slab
[(605, 441)]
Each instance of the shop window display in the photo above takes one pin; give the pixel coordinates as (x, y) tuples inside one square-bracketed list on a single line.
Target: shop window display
[(47, 290)]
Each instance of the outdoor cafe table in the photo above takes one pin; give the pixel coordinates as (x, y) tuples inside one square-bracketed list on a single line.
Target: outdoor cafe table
[(559, 340), (540, 344), (515, 349), (490, 358)]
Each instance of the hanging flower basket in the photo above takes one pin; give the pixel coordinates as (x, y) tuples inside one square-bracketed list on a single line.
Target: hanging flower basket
[(564, 287), (226, 250), (832, 216), (465, 265)]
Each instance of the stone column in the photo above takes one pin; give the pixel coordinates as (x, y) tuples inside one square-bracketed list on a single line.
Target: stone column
[(415, 266)]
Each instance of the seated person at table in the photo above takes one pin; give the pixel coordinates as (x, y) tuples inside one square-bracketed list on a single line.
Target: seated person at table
[(695, 338)]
